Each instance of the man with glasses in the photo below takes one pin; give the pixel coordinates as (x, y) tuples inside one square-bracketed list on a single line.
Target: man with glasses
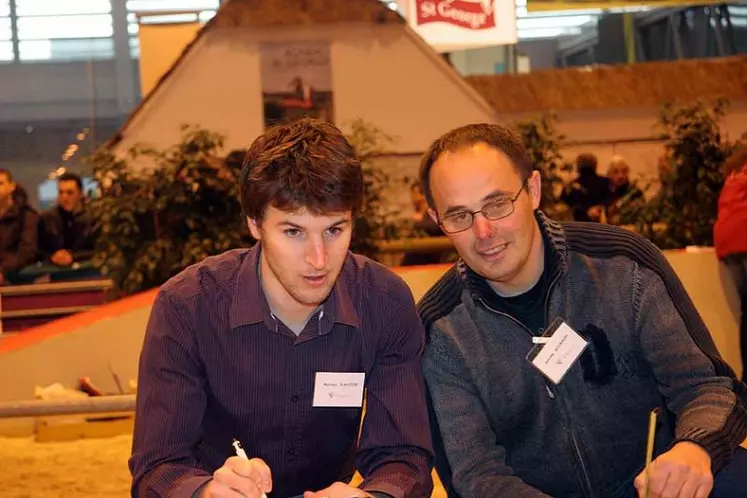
[(549, 346)]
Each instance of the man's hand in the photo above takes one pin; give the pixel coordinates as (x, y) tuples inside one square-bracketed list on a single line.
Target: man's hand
[(682, 472), (239, 478), (595, 213), (338, 490), (63, 257)]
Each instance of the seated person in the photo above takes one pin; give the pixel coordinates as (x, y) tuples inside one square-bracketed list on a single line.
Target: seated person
[(625, 195), (550, 344), (589, 193), (18, 228), (66, 231), (423, 226), (278, 346)]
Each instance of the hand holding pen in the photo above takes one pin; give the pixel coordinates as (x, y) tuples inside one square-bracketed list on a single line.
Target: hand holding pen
[(250, 478)]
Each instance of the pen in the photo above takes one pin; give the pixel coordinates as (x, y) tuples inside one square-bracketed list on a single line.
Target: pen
[(241, 453), (650, 446)]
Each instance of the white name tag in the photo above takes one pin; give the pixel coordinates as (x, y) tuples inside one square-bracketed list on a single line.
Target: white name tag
[(559, 353), (338, 389)]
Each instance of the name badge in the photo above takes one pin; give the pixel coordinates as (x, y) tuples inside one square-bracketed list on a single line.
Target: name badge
[(557, 351), (338, 389)]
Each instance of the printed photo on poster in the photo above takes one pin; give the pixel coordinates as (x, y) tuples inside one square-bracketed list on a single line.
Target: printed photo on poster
[(296, 81)]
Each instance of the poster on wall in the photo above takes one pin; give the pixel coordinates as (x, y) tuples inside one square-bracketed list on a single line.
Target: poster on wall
[(296, 81), (451, 25)]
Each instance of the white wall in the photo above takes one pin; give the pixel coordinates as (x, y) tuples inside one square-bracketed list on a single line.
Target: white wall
[(382, 74)]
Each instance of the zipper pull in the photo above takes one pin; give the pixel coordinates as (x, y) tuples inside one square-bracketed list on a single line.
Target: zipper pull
[(549, 391)]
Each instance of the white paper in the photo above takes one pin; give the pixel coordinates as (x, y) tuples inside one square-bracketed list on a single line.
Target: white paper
[(560, 353), (338, 389)]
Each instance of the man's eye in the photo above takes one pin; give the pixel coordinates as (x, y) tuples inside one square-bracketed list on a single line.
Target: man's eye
[(292, 232)]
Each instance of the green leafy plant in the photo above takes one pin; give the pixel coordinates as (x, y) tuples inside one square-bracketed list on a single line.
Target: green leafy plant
[(176, 207), (687, 203), (378, 220), (162, 210), (543, 142)]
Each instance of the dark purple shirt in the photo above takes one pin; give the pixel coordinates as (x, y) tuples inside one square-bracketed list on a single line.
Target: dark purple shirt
[(216, 365)]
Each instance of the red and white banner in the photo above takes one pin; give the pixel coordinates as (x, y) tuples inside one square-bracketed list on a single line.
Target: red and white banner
[(450, 25)]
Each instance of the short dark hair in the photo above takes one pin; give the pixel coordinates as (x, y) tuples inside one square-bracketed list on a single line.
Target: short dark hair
[(736, 162), (586, 163), (7, 174), (71, 177), (307, 163), (496, 136)]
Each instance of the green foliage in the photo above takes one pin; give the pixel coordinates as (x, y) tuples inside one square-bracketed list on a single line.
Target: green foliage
[(543, 142), (378, 220), (161, 211), (687, 202)]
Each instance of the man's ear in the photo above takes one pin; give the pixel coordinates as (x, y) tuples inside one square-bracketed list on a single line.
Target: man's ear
[(434, 215), (535, 188), (255, 228)]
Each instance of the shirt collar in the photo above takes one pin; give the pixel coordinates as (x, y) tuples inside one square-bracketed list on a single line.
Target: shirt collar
[(249, 304)]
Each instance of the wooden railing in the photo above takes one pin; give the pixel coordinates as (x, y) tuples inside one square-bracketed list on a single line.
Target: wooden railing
[(23, 306)]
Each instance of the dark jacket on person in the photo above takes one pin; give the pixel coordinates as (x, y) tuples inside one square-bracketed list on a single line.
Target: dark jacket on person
[(502, 430), (18, 234), (60, 229), (586, 191)]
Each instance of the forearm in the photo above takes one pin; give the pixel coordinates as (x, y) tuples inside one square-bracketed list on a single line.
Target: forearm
[(408, 477), (172, 481), (707, 400)]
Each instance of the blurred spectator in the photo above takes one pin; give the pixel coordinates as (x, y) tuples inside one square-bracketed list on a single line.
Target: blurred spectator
[(18, 226), (730, 234), (66, 230), (423, 226), (624, 193), (589, 193)]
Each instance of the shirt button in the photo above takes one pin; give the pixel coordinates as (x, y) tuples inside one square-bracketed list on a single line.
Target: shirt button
[(292, 451), (294, 399)]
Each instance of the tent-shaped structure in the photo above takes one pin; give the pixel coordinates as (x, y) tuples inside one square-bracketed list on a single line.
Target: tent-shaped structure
[(378, 70)]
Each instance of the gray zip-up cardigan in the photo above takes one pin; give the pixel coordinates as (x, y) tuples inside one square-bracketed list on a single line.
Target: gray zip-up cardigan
[(502, 430)]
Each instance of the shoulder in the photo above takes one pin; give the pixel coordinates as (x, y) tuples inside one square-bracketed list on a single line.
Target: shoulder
[(598, 240), (29, 213), (366, 278), (441, 299), (214, 276), (50, 214)]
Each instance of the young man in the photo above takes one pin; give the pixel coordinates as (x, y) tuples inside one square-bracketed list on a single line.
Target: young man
[(276, 346), (549, 345), (18, 228), (66, 230)]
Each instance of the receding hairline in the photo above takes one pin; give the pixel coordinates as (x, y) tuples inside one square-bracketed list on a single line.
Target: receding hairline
[(464, 147)]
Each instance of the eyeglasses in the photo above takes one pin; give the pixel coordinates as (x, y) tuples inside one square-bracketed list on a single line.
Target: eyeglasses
[(493, 210)]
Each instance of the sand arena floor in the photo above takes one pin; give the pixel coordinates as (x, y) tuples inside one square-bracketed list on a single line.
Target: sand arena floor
[(88, 468)]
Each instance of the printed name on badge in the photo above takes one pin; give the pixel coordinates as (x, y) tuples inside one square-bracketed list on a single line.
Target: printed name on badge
[(560, 353), (338, 389)]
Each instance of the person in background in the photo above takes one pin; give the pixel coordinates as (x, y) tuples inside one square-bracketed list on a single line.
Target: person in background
[(18, 228), (66, 231), (624, 193), (550, 344), (589, 193), (423, 226), (279, 346), (730, 235)]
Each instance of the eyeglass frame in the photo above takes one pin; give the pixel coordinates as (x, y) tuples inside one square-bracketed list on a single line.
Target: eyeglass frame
[(511, 200)]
